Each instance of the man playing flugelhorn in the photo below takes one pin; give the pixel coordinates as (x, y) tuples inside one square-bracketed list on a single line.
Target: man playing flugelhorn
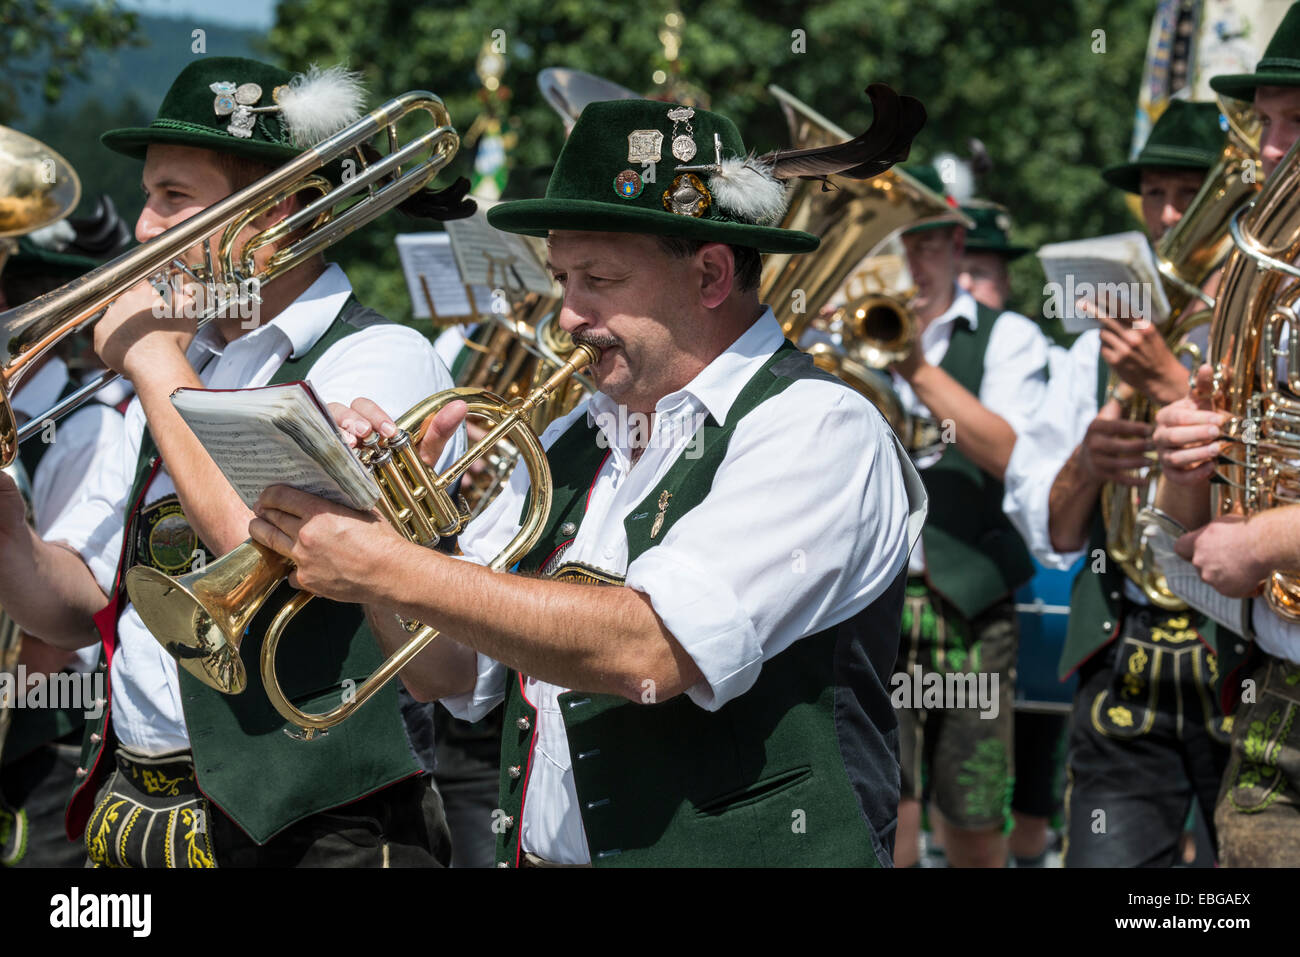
[(174, 773), (1258, 808), (693, 659)]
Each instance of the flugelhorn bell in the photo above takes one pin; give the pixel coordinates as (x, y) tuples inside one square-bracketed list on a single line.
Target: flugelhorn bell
[(201, 618)]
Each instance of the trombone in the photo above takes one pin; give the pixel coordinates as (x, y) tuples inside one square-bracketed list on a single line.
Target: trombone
[(30, 330), (201, 618)]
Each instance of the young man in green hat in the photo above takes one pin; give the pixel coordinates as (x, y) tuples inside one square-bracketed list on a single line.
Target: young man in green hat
[(978, 372), (1257, 812), (693, 658), (173, 773), (1136, 761)]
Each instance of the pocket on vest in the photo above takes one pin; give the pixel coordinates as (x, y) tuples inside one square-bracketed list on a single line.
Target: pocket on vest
[(761, 790)]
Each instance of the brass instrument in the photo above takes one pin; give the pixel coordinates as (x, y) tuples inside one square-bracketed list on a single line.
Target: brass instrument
[(1186, 255), (32, 329), (200, 618), (1259, 465)]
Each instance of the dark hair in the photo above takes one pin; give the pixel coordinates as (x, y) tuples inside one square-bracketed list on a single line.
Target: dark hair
[(749, 266), (241, 172)]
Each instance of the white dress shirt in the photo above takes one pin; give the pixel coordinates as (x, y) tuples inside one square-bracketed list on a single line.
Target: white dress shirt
[(1015, 373), (391, 364), (794, 536)]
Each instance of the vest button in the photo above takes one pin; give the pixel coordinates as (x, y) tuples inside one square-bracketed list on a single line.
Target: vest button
[(82, 772), (514, 770), (502, 864), (1239, 648), (507, 822), (95, 737), (522, 724), (1114, 596), (568, 528), (1107, 625)]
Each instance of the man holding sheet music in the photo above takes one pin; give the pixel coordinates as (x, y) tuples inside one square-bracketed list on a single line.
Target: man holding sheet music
[(174, 773), (1136, 759), (720, 588), (1258, 810)]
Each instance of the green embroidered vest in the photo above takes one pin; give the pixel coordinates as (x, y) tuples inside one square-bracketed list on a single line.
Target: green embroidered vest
[(974, 556), (244, 761), (801, 769)]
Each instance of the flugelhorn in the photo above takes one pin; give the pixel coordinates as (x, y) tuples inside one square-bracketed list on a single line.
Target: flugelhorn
[(30, 330), (200, 618)]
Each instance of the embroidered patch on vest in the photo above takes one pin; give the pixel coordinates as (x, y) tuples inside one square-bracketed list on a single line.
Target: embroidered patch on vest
[(163, 537)]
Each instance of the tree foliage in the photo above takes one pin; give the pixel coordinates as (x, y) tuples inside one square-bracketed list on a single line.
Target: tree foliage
[(44, 44), (1051, 97)]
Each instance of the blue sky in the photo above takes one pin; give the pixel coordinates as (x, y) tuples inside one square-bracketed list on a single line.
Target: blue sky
[(242, 13)]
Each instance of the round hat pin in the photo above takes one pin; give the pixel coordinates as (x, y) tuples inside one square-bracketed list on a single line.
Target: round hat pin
[(628, 184)]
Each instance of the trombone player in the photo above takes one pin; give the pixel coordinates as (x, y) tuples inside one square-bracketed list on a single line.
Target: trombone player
[(668, 657), (1257, 812), (174, 773)]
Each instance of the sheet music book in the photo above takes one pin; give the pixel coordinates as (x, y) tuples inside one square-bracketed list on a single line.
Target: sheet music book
[(276, 435), (1118, 273), (1160, 531), (477, 245), (433, 277)]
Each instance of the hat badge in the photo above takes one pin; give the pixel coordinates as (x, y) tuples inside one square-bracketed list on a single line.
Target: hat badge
[(236, 101)]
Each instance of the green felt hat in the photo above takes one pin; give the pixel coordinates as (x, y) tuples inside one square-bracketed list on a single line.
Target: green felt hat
[(1279, 66), (230, 105), (1187, 136), (928, 176), (992, 232), (599, 182)]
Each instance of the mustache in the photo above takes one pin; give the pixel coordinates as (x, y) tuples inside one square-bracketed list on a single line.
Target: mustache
[(596, 340)]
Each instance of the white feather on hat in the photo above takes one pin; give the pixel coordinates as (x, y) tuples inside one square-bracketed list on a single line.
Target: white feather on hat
[(747, 190), (319, 103)]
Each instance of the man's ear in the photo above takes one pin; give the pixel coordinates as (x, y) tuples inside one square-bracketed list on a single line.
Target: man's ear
[(718, 274)]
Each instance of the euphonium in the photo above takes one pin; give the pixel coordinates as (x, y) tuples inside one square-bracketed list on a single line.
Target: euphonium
[(200, 618), (30, 330), (1186, 255), (1256, 380)]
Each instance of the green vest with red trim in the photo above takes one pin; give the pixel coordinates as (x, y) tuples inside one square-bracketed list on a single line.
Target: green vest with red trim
[(974, 556), (244, 761), (801, 769)]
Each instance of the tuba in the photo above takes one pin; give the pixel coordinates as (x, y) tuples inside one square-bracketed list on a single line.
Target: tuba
[(30, 330), (1186, 257), (1256, 380), (201, 618)]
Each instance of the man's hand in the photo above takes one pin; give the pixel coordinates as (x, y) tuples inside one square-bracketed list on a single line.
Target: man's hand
[(363, 417), (130, 337), (1225, 555), (1186, 435), (1139, 356), (335, 550), (13, 509), (915, 360), (43, 659), (1114, 448)]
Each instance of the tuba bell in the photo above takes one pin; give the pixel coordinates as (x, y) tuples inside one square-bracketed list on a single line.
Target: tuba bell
[(1257, 380), (201, 618), (1186, 257)]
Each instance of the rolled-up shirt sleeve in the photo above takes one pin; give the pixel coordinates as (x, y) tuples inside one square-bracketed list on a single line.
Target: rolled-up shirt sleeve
[(784, 545), (1045, 444)]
